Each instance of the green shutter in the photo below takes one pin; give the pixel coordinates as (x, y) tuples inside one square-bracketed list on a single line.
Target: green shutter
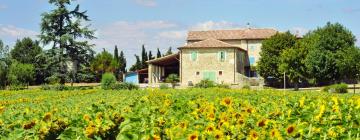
[(193, 56), (209, 75)]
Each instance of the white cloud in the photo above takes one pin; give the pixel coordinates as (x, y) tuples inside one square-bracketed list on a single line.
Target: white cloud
[(10, 33), (211, 25), (129, 36), (2, 6), (299, 31), (15, 32), (147, 3), (181, 34)]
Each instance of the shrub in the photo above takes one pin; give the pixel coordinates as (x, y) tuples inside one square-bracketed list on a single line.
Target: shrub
[(164, 86), (125, 86), (336, 88), (173, 79), (246, 87), (223, 86), (205, 84), (108, 80), (20, 75)]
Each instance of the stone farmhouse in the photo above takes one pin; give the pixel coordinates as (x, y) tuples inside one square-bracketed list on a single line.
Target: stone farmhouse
[(223, 56)]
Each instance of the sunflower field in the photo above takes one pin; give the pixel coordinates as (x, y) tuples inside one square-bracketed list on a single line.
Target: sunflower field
[(178, 114)]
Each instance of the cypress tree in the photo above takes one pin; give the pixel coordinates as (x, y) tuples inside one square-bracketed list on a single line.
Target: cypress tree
[(158, 55)]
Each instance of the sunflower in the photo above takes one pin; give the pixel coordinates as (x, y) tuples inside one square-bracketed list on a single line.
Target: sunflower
[(211, 116), (2, 109), (156, 137), (90, 130), (86, 117), (226, 101), (218, 134), (210, 128), (253, 135), (275, 134), (47, 116), (290, 129), (262, 123), (193, 136)]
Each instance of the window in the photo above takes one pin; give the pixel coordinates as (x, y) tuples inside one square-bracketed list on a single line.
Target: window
[(220, 73), (222, 56), (252, 60), (193, 56)]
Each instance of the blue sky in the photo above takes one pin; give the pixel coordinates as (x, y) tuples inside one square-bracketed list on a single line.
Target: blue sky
[(164, 23)]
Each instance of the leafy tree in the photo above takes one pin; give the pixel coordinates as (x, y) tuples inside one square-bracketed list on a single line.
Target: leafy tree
[(20, 74), (292, 63), (268, 65), (348, 63), (325, 46), (137, 65), (64, 30), (26, 50), (102, 63), (158, 55), (173, 79), (144, 57), (4, 64), (169, 51)]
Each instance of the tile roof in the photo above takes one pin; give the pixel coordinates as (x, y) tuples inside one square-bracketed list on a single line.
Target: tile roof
[(209, 43), (231, 34)]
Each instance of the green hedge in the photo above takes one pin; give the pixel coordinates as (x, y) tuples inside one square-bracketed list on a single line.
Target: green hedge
[(336, 88)]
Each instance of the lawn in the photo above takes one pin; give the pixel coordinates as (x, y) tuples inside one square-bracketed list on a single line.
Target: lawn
[(178, 114)]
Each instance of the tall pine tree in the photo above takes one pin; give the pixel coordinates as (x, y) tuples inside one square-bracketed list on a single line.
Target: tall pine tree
[(158, 55), (169, 51), (122, 62), (63, 29), (144, 58), (150, 56)]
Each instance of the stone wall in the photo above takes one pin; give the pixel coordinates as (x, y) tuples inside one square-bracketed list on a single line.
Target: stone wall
[(207, 61)]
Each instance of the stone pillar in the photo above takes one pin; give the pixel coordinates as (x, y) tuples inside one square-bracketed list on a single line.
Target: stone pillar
[(150, 73)]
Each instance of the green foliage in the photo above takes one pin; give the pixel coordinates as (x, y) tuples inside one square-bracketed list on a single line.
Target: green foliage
[(164, 86), (225, 86), (108, 80), (20, 75), (246, 87), (205, 84), (125, 86), (137, 65), (169, 51), (271, 50), (336, 88), (25, 51), (4, 65), (173, 79), (158, 54), (325, 46), (103, 62), (292, 63), (59, 87), (178, 114), (62, 28), (144, 58)]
